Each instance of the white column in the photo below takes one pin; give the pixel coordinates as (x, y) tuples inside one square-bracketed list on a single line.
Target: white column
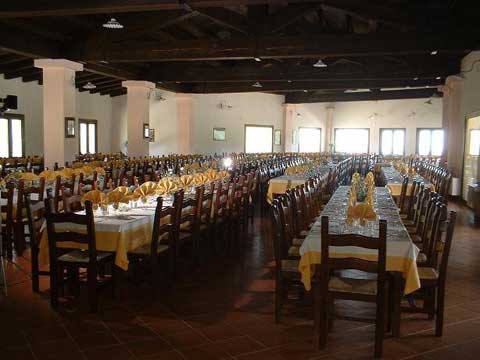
[(59, 95), (184, 123), (138, 113), (288, 127), (329, 138)]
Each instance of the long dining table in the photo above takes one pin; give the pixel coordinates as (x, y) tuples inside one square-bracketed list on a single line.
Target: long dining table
[(394, 180), (401, 251)]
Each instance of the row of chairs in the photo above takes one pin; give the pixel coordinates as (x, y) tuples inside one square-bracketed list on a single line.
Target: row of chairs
[(213, 220)]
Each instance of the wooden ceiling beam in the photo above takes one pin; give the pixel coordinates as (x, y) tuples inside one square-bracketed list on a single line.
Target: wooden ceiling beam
[(20, 73), (117, 92), (289, 15), (87, 7), (301, 98), (103, 88), (24, 43), (19, 65), (90, 78), (278, 48), (226, 18), (106, 91), (313, 85), (33, 77), (11, 58)]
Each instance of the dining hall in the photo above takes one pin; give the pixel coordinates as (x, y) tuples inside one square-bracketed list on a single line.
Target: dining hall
[(239, 180)]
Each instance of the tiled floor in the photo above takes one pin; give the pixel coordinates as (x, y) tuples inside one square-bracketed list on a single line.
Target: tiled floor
[(224, 310)]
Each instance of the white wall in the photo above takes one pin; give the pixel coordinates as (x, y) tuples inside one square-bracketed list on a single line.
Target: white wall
[(163, 118), (30, 104), (409, 114), (246, 108)]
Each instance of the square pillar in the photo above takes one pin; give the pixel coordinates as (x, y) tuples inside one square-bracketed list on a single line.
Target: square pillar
[(138, 113), (184, 123), (59, 101)]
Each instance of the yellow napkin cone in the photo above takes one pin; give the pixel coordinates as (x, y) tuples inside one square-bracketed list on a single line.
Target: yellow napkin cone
[(66, 173), (361, 211), (95, 196), (186, 180), (100, 171), (28, 176), (146, 189), (223, 175), (48, 175), (117, 196), (200, 179), (210, 174), (167, 186)]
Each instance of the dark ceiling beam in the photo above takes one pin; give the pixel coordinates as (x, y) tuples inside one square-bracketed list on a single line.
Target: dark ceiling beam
[(109, 90), (312, 85), (288, 15), (20, 73), (301, 98), (323, 46), (116, 72), (19, 65), (24, 43), (117, 92), (34, 77), (10, 58), (108, 87), (37, 30), (105, 82), (18, 9), (226, 18), (91, 78)]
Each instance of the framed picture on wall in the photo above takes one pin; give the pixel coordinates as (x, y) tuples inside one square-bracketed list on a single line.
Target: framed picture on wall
[(69, 127), (151, 135), (277, 137), (294, 136), (146, 131), (219, 134)]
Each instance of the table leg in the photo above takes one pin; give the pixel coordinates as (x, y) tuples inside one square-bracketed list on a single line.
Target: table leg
[(396, 302)]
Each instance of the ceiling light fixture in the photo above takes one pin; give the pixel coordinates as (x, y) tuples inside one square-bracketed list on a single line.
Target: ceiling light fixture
[(257, 59), (320, 64), (257, 85), (428, 102), (434, 52), (289, 81), (112, 24), (438, 77), (415, 78), (89, 86), (305, 91)]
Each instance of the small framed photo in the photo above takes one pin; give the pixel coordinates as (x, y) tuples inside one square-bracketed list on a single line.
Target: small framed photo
[(151, 135), (277, 137), (69, 127), (219, 134), (146, 131), (294, 136)]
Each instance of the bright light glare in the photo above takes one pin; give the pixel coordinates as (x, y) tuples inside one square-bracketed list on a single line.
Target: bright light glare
[(474, 142), (227, 162), (309, 140), (352, 140)]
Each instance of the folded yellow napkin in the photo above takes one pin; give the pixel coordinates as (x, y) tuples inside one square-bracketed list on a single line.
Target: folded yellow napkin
[(28, 176), (48, 175), (146, 189), (186, 180), (200, 179), (87, 170), (95, 196), (100, 171), (77, 165), (210, 174), (167, 186), (117, 196), (224, 174), (66, 173), (361, 211)]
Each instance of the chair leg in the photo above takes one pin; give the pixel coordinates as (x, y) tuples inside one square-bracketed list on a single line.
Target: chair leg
[(35, 268), (54, 283), (429, 303), (439, 312), (278, 299), (320, 319), (379, 329), (3, 277), (92, 288)]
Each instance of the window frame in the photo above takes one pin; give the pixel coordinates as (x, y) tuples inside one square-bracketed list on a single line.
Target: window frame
[(245, 136), (310, 127), (87, 121), (392, 129), (10, 117), (431, 130), (470, 131), (345, 128)]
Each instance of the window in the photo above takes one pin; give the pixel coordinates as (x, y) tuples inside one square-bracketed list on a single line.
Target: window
[(309, 139), (430, 142), (474, 148), (258, 139), (392, 141), (355, 141), (12, 136), (88, 136)]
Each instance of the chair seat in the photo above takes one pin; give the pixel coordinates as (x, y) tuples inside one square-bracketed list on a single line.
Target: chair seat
[(294, 251), (290, 265), (144, 250), (351, 285), (81, 256), (304, 233), (408, 222), (421, 258), (297, 242), (417, 239), (427, 274), (184, 235)]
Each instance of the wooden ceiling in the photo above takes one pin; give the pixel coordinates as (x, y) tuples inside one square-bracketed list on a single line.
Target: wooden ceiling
[(207, 46)]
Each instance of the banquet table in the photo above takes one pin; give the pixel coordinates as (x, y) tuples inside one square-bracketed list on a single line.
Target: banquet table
[(394, 180), (401, 251), (118, 232), (281, 184)]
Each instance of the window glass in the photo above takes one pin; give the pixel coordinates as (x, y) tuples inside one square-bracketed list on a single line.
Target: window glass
[(398, 142), (17, 138), (474, 142), (83, 138), (4, 149), (309, 139), (352, 140), (92, 135), (258, 139), (424, 142), (430, 142)]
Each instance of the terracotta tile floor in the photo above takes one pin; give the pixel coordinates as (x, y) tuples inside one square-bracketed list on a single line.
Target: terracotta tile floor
[(224, 310)]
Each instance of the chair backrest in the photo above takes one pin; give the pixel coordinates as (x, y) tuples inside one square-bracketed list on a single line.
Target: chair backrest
[(207, 203), (32, 190), (445, 243), (163, 224), (411, 199), (429, 247), (403, 194), (86, 222), (279, 244), (71, 202), (329, 263), (34, 210), (6, 215)]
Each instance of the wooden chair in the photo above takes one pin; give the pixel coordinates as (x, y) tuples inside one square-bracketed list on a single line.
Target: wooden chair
[(161, 246), (220, 218), (35, 211), (6, 213), (403, 195), (89, 259), (433, 277), (71, 203), (411, 201), (328, 287), (286, 269)]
